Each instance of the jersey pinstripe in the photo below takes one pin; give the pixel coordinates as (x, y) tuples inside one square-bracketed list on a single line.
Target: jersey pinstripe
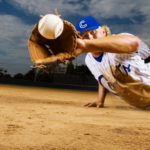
[(103, 68)]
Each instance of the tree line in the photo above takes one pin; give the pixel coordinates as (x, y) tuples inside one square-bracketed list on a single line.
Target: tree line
[(53, 73)]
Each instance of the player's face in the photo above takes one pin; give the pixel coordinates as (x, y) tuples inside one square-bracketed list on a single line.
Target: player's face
[(94, 34)]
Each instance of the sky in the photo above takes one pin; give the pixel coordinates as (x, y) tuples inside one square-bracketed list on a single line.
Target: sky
[(17, 19)]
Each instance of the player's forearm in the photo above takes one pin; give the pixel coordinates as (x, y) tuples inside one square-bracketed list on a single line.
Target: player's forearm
[(113, 44), (101, 94)]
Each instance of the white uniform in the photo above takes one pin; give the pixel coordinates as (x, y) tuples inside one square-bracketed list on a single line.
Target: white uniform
[(103, 68)]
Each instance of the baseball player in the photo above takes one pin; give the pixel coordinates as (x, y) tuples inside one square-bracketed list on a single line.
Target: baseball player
[(116, 62)]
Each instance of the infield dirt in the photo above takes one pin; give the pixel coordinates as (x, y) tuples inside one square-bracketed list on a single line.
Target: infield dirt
[(33, 118)]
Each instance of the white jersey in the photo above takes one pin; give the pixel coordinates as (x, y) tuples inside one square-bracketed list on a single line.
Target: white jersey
[(131, 64)]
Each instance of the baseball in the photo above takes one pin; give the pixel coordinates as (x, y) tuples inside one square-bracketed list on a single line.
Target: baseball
[(50, 26)]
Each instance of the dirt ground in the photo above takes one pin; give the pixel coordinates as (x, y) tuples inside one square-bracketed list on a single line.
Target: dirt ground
[(33, 118)]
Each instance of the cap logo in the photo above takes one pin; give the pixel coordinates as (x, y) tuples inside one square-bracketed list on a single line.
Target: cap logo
[(82, 24)]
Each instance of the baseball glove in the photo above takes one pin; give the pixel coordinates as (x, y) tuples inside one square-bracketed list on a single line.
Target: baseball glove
[(44, 51)]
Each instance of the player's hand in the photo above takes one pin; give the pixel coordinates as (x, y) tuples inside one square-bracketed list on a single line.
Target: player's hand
[(80, 47), (95, 104)]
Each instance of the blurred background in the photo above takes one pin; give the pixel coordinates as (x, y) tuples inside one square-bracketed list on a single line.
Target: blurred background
[(17, 18)]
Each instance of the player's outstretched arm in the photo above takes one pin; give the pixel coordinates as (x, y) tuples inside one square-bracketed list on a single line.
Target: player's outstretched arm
[(101, 98), (113, 44)]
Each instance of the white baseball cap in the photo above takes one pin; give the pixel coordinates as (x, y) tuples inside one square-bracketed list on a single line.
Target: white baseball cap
[(50, 26)]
